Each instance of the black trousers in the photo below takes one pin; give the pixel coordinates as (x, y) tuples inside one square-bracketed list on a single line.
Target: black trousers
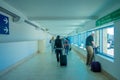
[(58, 54)]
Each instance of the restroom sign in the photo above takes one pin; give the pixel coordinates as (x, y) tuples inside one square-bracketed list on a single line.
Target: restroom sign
[(4, 24)]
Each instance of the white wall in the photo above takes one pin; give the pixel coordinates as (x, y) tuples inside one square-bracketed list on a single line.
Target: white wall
[(19, 31), (12, 52), (114, 6), (89, 25), (22, 41), (117, 49)]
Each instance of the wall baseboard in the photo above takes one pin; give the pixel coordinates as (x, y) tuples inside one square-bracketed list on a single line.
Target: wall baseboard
[(83, 57), (108, 75), (16, 64)]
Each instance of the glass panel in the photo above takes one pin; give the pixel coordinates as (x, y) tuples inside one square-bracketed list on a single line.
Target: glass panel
[(75, 39), (108, 41), (79, 39), (83, 38), (71, 39)]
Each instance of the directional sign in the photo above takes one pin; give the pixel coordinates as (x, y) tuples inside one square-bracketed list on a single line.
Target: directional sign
[(4, 24), (109, 18)]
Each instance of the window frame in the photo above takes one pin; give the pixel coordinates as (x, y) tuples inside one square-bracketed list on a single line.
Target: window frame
[(101, 40)]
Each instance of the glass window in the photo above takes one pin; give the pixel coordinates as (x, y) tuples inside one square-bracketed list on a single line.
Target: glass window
[(103, 38), (71, 39), (83, 40), (75, 39), (79, 40), (108, 41)]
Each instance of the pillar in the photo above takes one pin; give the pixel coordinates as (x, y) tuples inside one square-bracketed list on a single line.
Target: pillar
[(41, 46)]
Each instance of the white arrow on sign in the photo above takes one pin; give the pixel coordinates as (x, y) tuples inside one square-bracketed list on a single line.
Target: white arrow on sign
[(6, 20), (6, 30)]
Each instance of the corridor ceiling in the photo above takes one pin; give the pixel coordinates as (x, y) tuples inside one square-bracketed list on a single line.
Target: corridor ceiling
[(61, 16)]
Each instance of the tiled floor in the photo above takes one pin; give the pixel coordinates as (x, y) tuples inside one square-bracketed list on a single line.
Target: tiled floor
[(45, 67)]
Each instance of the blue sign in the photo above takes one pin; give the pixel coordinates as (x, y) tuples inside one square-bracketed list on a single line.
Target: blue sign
[(4, 24)]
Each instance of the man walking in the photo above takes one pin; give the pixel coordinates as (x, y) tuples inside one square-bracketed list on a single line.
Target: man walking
[(58, 47)]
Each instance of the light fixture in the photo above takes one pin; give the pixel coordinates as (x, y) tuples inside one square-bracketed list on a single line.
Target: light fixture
[(28, 22), (33, 24), (15, 17)]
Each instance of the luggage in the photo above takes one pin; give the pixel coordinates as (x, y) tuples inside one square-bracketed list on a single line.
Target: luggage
[(63, 60), (96, 66)]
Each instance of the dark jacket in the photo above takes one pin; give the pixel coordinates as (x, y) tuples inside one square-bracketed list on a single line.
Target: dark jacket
[(89, 40), (58, 43)]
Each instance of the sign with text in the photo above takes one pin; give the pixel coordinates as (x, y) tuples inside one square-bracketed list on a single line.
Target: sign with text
[(109, 18), (4, 24)]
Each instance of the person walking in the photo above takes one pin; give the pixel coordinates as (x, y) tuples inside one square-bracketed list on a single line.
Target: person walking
[(52, 42), (58, 47), (66, 46), (89, 47)]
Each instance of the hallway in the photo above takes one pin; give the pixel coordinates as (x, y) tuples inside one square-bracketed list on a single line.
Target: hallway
[(45, 67)]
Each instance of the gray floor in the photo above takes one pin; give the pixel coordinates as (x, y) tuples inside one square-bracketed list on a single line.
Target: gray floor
[(44, 67)]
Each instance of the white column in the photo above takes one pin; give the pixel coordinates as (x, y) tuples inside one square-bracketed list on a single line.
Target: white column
[(41, 46)]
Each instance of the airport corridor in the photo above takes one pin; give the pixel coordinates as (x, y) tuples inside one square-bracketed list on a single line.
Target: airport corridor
[(43, 66)]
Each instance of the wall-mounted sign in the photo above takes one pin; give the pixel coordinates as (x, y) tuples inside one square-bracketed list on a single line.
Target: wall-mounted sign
[(109, 18), (4, 24)]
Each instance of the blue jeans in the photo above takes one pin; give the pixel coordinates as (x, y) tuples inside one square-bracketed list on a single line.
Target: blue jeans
[(66, 49)]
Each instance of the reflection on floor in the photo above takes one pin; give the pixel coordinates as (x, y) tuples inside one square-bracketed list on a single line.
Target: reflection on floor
[(45, 67)]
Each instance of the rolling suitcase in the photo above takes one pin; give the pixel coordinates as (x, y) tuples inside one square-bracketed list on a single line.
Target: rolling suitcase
[(95, 65), (63, 60)]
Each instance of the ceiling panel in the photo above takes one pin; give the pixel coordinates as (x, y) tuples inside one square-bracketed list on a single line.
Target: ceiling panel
[(60, 16)]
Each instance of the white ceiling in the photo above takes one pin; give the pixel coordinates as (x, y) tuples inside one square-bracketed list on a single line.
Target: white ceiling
[(61, 16)]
